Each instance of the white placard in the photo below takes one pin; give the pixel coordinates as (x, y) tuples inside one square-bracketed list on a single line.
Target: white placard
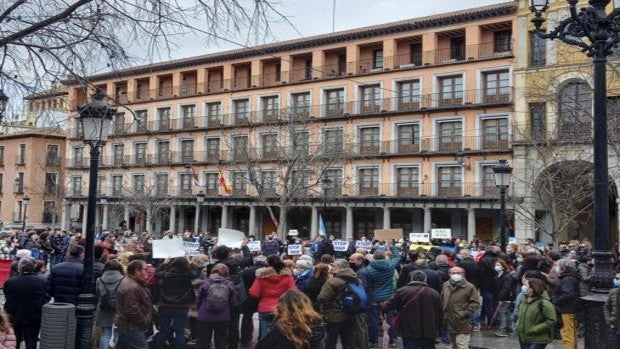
[(419, 237), (293, 232), (168, 248), (294, 250), (341, 245), (230, 237), (254, 246), (191, 248), (366, 245), (441, 233)]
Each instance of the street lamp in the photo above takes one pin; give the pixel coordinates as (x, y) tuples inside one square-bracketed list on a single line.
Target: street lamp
[(3, 102), (502, 172), (200, 198), (96, 119), (596, 33), (25, 202)]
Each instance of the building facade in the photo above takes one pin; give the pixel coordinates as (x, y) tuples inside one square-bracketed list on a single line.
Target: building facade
[(390, 126)]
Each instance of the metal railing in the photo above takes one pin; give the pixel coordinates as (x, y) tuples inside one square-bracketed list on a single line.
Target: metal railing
[(52, 160)]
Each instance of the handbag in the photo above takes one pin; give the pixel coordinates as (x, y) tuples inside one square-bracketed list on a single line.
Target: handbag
[(396, 319)]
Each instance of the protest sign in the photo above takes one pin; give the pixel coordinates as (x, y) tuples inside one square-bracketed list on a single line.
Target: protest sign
[(441, 233), (293, 232), (365, 244), (168, 248), (230, 237), (254, 246), (418, 246), (191, 248), (419, 237), (388, 234), (294, 250), (341, 245)]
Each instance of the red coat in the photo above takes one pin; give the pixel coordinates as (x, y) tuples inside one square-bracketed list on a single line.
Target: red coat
[(269, 286)]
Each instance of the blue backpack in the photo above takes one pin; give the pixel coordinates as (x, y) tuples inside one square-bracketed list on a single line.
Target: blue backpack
[(354, 299)]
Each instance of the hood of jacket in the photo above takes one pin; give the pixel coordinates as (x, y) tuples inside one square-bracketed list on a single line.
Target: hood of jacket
[(111, 277), (271, 273), (347, 274), (381, 264)]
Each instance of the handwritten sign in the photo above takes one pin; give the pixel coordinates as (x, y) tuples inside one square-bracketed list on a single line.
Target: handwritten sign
[(341, 245), (366, 245), (191, 248), (254, 246), (294, 250), (230, 237), (441, 233), (419, 237), (388, 234), (168, 248)]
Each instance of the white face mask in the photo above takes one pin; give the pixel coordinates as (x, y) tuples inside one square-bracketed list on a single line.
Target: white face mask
[(498, 268), (456, 277)]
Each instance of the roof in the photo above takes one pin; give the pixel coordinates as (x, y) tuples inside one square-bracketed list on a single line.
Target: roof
[(428, 22), (43, 132), (54, 91)]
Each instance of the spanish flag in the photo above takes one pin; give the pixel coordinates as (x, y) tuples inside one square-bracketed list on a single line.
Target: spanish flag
[(226, 186)]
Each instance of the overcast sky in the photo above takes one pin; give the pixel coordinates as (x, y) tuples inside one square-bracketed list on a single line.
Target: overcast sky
[(312, 17)]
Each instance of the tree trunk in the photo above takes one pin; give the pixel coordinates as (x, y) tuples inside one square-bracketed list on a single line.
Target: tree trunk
[(282, 227)]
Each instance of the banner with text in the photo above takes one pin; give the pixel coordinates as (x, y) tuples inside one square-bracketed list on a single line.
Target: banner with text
[(294, 250), (341, 245)]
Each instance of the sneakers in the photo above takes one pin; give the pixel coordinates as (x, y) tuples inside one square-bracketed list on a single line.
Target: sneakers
[(501, 334)]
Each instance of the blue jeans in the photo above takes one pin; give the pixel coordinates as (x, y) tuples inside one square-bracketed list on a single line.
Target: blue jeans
[(132, 338), (106, 334), (503, 316), (171, 318), (265, 323), (373, 323), (418, 343), (488, 306)]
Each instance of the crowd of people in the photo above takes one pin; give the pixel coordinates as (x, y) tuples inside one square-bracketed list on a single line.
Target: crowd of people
[(363, 297)]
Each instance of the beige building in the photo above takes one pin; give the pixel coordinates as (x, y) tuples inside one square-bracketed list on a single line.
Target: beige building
[(396, 125)]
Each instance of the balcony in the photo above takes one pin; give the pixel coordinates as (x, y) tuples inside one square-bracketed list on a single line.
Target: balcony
[(186, 90), (187, 123), (76, 192), (78, 163), (117, 191), (20, 159), (239, 191), (161, 190), (449, 55), (52, 160)]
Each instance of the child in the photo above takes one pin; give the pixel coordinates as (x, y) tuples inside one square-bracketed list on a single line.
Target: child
[(7, 337)]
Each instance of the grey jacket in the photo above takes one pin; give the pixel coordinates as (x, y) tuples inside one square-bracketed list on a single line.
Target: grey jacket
[(109, 281)]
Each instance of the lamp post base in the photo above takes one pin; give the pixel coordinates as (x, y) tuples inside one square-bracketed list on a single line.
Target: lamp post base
[(85, 313), (598, 334)]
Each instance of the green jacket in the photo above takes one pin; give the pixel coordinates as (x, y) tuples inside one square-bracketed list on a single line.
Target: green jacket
[(612, 306), (536, 320), (459, 304)]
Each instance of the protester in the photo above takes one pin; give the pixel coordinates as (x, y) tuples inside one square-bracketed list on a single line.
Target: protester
[(612, 308), (505, 296), (271, 282), (65, 280), (134, 308), (488, 285), (566, 300), (419, 312), (250, 305), (316, 282), (349, 327), (271, 245), (297, 325), (459, 301), (107, 286), (216, 298), (25, 295), (536, 316), (303, 272)]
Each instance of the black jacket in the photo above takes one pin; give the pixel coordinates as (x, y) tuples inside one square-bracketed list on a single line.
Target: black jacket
[(176, 287), (433, 278), (422, 317), (506, 287), (313, 289), (487, 272), (472, 271), (65, 281), (404, 277), (276, 340), (566, 294), (327, 247), (25, 296)]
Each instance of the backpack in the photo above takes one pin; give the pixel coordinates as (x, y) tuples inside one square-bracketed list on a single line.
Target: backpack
[(218, 297), (108, 297), (354, 299)]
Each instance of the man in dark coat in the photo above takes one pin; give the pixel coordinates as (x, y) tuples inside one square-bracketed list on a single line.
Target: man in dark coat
[(405, 272), (565, 297), (433, 278), (488, 286), (25, 296), (65, 280), (472, 269), (271, 245), (420, 313)]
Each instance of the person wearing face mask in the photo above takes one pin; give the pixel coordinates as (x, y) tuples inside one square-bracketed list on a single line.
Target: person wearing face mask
[(270, 246), (536, 316), (612, 308), (302, 273), (459, 300), (505, 296)]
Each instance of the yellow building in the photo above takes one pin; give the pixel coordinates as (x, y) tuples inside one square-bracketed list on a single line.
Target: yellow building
[(396, 125), (553, 134)]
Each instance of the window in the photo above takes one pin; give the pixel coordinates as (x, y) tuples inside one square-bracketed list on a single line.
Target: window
[(308, 69), (213, 149), (575, 112), (495, 134), (163, 118), (269, 146), (299, 183), (76, 186), (369, 139), (269, 108), (300, 105), (300, 142), (239, 183), (51, 156), (332, 183), (78, 156), (161, 183), (138, 184), (488, 181), (79, 130), (457, 48), (407, 181), (21, 155), (268, 182), (213, 183), (214, 114), (538, 51), (368, 181), (163, 152), (19, 183), (239, 147), (335, 102), (140, 153), (538, 120), (502, 41), (416, 53), (100, 180), (496, 87), (51, 183), (241, 108), (377, 59), (408, 138), (449, 181), (371, 99), (450, 91), (2, 155), (187, 150), (450, 135), (49, 212), (1, 182), (119, 124), (188, 116), (186, 184), (408, 95), (117, 185), (613, 118), (332, 140), (118, 154)]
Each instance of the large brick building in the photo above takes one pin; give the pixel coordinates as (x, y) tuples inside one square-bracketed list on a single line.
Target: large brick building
[(395, 125)]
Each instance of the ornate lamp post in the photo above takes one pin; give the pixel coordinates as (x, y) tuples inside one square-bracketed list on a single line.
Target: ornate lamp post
[(596, 33), (503, 173), (96, 118), (3, 102)]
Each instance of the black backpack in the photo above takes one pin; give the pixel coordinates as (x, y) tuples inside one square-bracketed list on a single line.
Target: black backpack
[(218, 297), (108, 297)]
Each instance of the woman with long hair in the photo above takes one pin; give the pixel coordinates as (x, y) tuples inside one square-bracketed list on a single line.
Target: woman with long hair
[(106, 286), (536, 316), (297, 324), (316, 282)]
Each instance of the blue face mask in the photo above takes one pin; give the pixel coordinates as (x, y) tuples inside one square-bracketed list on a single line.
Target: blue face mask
[(616, 282), (524, 289)]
